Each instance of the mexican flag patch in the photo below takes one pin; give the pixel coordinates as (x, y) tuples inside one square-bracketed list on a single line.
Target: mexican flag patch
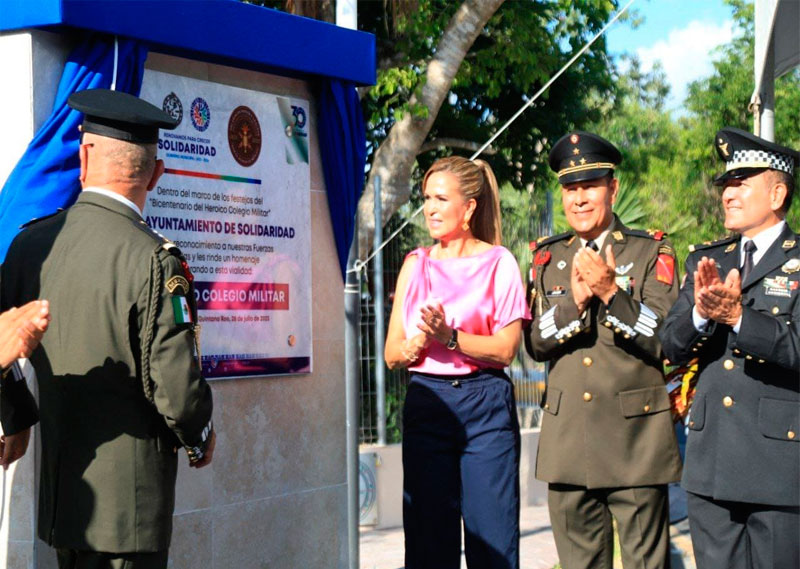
[(181, 307)]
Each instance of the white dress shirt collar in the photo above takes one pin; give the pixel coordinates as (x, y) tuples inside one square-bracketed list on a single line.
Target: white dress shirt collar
[(763, 241), (599, 240), (115, 196)]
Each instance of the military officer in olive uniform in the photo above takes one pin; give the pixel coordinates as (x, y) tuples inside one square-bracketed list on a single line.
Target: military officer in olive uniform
[(739, 314), (598, 295), (120, 388)]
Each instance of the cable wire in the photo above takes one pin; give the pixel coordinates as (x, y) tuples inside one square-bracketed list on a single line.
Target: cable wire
[(358, 265)]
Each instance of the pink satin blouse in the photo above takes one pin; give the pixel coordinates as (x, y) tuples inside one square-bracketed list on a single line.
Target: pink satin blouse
[(480, 294)]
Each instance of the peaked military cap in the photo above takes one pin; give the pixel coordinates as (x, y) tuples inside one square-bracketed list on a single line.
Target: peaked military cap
[(580, 156), (119, 115), (746, 154)]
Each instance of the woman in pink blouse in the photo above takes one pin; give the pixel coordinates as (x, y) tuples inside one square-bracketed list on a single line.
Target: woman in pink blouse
[(456, 322)]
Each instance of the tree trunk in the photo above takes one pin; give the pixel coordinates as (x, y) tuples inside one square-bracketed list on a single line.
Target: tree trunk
[(395, 157)]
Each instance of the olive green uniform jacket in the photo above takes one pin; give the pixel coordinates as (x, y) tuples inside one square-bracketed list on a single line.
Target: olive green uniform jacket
[(119, 379), (607, 420)]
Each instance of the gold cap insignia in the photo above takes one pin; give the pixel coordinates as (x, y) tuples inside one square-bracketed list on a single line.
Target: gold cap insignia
[(730, 247), (576, 151), (574, 139), (617, 235), (788, 244), (723, 147)]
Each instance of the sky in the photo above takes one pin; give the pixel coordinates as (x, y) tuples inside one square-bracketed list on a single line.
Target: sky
[(679, 33)]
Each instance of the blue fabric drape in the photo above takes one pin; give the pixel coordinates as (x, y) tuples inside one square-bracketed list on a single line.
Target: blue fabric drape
[(46, 177), (342, 141)]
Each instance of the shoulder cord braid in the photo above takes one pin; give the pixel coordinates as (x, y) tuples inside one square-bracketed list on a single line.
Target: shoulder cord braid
[(156, 278)]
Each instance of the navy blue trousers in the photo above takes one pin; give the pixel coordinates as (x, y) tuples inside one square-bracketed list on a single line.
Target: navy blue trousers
[(461, 451)]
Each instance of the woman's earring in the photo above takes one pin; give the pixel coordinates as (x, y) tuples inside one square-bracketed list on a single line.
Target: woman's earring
[(465, 225)]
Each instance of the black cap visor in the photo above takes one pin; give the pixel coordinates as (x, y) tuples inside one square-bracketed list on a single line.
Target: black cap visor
[(737, 174), (584, 175), (120, 130)]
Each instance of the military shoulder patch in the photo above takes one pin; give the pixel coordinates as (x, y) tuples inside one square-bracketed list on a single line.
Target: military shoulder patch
[(181, 308), (178, 285)]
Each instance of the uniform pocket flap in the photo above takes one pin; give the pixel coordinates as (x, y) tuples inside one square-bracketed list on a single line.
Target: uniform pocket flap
[(644, 401), (552, 400), (779, 419)]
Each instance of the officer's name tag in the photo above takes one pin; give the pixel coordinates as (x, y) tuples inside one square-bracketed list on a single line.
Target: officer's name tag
[(780, 286), (625, 283), (556, 292)]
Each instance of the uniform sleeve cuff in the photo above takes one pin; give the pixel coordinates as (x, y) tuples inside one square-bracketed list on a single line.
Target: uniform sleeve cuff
[(198, 451)]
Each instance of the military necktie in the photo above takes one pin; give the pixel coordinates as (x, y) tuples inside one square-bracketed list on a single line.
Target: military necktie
[(749, 250), (592, 245)]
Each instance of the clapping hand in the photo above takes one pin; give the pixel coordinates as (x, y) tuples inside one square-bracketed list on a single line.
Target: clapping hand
[(599, 275), (433, 322), (581, 293), (21, 329), (714, 299)]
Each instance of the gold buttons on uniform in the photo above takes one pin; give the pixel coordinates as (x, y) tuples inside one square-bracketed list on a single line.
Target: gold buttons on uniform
[(616, 330), (587, 396), (727, 401), (760, 361), (737, 351), (728, 364), (694, 349), (775, 309), (587, 361), (627, 336), (608, 324), (791, 434), (647, 408), (748, 357), (547, 406)]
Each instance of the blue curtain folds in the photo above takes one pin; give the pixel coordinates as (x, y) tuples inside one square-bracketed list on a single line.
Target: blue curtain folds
[(46, 177), (342, 140)]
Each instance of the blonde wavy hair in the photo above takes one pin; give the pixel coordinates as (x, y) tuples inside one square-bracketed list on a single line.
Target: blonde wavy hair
[(476, 181)]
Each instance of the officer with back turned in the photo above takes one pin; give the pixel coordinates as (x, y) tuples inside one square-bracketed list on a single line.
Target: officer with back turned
[(598, 295), (120, 388)]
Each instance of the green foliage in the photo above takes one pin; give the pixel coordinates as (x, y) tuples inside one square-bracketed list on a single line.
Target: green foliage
[(521, 47), (670, 163)]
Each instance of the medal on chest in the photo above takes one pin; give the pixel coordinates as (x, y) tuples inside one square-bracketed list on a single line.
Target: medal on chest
[(779, 286)]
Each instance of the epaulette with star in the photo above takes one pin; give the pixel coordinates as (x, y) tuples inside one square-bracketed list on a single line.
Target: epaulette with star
[(711, 244), (547, 240), (36, 220), (656, 234)]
